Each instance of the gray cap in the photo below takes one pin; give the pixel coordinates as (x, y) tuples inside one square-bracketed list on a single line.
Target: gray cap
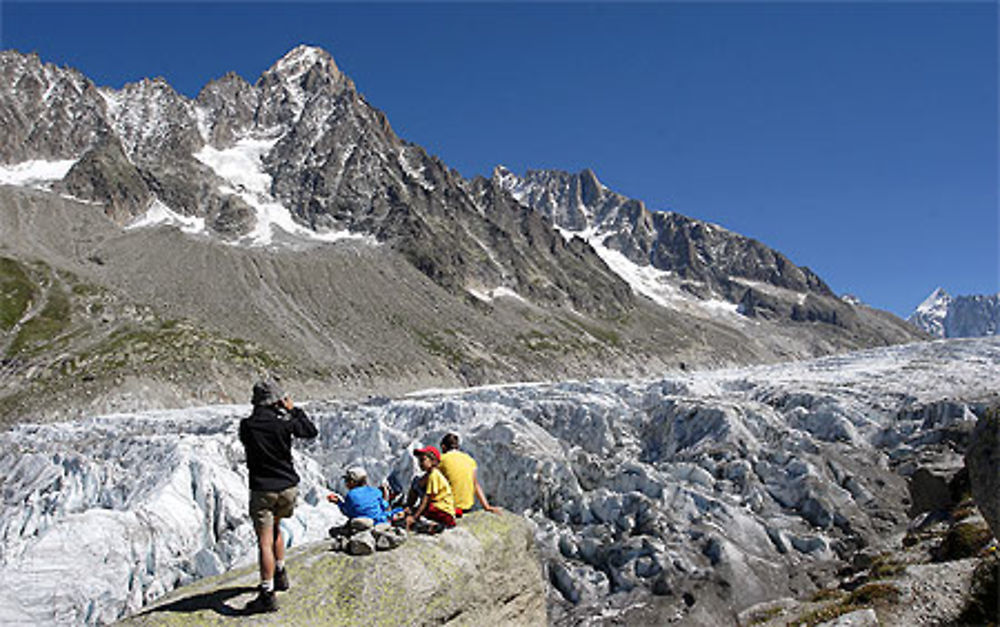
[(267, 392), (356, 474)]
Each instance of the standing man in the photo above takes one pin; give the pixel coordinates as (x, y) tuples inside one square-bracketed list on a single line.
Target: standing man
[(460, 470), (267, 437)]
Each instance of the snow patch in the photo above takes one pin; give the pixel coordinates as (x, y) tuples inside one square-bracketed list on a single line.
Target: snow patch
[(160, 214), (36, 173), (243, 169), (658, 285), (495, 293), (415, 173), (240, 165)]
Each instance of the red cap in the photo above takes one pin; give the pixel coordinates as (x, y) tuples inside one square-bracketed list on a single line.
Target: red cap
[(428, 450)]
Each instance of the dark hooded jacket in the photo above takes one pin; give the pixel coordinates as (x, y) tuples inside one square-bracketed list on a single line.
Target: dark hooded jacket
[(267, 437)]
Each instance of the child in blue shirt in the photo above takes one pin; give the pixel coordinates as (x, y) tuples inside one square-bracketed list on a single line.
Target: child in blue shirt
[(361, 500)]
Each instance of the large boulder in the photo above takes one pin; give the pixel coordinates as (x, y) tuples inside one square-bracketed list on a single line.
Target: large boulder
[(933, 486), (983, 461), (485, 571)]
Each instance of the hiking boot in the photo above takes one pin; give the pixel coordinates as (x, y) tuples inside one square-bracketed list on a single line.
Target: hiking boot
[(281, 580), (265, 602)]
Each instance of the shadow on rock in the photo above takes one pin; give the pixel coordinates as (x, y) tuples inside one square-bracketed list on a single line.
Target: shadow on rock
[(214, 601)]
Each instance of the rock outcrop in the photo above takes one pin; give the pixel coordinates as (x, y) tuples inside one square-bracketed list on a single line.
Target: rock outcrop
[(983, 462), (486, 571)]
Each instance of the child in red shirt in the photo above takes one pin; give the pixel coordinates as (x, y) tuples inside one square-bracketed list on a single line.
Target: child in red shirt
[(437, 503)]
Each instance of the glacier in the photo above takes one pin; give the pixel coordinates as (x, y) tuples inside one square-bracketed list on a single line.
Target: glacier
[(745, 480)]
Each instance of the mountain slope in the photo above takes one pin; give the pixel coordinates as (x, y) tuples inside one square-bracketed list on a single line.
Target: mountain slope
[(676, 256), (287, 214)]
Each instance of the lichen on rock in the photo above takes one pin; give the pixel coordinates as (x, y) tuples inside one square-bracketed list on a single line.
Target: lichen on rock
[(485, 571)]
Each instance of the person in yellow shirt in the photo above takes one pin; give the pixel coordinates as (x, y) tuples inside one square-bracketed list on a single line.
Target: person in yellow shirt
[(437, 504), (460, 470)]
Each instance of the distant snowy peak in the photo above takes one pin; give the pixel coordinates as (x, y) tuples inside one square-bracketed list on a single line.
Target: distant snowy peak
[(935, 304), (943, 315)]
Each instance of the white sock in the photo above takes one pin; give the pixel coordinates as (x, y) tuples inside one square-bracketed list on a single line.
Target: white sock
[(267, 584), (279, 564)]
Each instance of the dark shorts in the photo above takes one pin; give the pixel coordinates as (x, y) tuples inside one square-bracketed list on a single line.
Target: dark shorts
[(433, 513), (266, 507)]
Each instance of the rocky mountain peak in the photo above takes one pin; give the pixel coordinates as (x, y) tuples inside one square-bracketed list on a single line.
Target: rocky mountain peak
[(289, 84), (48, 112), (590, 188), (666, 252), (228, 107), (301, 59), (301, 151), (938, 297), (153, 121)]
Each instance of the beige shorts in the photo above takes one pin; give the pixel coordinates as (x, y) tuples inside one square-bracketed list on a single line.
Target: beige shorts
[(265, 507)]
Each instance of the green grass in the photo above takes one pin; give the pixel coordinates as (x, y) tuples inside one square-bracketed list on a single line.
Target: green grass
[(964, 539), (435, 344), (540, 342), (601, 334), (47, 325), (762, 616), (885, 567), (983, 601), (827, 594), (871, 593), (16, 292), (866, 596)]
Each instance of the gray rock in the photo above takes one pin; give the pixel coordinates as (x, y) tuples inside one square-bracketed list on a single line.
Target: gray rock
[(486, 572), (857, 618), (361, 543), (105, 175), (47, 112), (361, 524), (930, 488), (983, 461), (388, 537)]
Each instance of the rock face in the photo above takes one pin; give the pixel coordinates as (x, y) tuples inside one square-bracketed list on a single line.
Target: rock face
[(48, 112), (983, 462), (484, 572), (688, 257), (104, 174)]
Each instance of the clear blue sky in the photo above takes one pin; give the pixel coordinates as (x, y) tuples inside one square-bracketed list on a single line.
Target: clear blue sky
[(860, 139)]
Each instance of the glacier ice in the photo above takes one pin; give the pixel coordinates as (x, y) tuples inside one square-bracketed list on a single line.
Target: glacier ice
[(740, 475)]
